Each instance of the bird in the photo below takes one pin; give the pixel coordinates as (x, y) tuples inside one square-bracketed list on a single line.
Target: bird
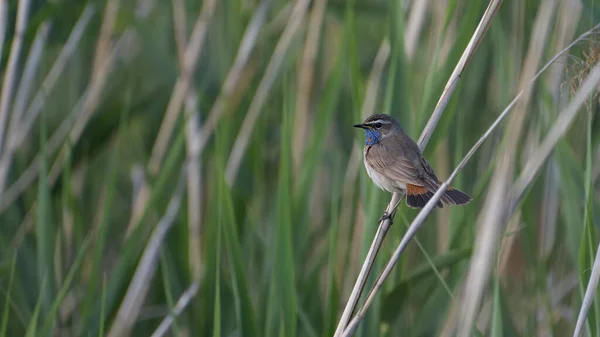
[(395, 164)]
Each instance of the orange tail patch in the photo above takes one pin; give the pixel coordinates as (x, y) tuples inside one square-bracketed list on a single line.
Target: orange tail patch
[(415, 190), (418, 196)]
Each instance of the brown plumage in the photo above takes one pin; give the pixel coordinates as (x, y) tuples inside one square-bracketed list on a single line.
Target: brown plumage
[(395, 164)]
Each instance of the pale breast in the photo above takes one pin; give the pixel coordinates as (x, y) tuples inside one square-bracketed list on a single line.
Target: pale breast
[(381, 180)]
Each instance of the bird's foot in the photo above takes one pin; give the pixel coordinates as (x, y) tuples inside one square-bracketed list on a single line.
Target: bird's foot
[(384, 217)]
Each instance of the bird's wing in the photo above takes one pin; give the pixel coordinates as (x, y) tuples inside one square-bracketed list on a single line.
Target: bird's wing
[(393, 165), (403, 163)]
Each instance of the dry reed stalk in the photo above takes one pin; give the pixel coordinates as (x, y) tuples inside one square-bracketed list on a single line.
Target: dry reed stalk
[(414, 25), (180, 92), (183, 84), (92, 98), (138, 287), (26, 82), (305, 82), (568, 16), (194, 187), (260, 97), (532, 61), (590, 294), (83, 111), (179, 28), (235, 74), (10, 75), (106, 30), (493, 216), (3, 22), (182, 302), (56, 71), (423, 140), (21, 98), (17, 134)]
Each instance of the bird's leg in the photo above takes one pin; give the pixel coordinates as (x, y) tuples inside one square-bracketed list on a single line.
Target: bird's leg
[(385, 216)]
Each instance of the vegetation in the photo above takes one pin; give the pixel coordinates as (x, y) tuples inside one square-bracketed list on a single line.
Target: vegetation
[(196, 160)]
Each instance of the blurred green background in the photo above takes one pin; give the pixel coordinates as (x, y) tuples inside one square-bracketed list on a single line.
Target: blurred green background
[(265, 230)]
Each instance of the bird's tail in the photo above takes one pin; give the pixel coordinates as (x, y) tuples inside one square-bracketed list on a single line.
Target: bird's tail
[(418, 196)]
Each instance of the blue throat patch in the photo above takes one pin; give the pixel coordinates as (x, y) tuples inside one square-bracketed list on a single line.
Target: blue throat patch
[(372, 137)]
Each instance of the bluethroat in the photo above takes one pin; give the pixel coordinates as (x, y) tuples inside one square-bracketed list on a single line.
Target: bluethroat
[(395, 164)]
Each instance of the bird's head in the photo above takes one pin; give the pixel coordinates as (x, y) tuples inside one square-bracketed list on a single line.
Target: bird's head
[(377, 127)]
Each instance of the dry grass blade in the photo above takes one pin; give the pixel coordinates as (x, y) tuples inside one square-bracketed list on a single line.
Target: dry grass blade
[(31, 68), (235, 73), (194, 186), (56, 71), (10, 75), (103, 44), (284, 43), (423, 140), (134, 298), (183, 301), (416, 19), (83, 110), (305, 81), (588, 298), (559, 128), (494, 217), (179, 28), (21, 98), (92, 99), (476, 39), (3, 22), (192, 54)]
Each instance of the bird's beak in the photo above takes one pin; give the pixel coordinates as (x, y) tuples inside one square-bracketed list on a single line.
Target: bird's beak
[(362, 126)]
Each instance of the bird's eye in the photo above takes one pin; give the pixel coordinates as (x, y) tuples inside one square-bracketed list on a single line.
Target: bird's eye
[(378, 125)]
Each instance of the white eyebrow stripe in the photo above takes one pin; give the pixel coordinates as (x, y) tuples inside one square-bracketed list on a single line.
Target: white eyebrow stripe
[(379, 121)]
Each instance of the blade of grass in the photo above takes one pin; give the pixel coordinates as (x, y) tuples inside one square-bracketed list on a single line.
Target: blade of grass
[(10, 74), (33, 321), (194, 187), (496, 329), (234, 76), (6, 310), (586, 253), (50, 320), (104, 225), (138, 288), (83, 111), (305, 82), (181, 304), (217, 292), (243, 305), (256, 107), (44, 229), (283, 275), (332, 292), (166, 271), (183, 84), (102, 306), (57, 69), (3, 23), (559, 128)]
